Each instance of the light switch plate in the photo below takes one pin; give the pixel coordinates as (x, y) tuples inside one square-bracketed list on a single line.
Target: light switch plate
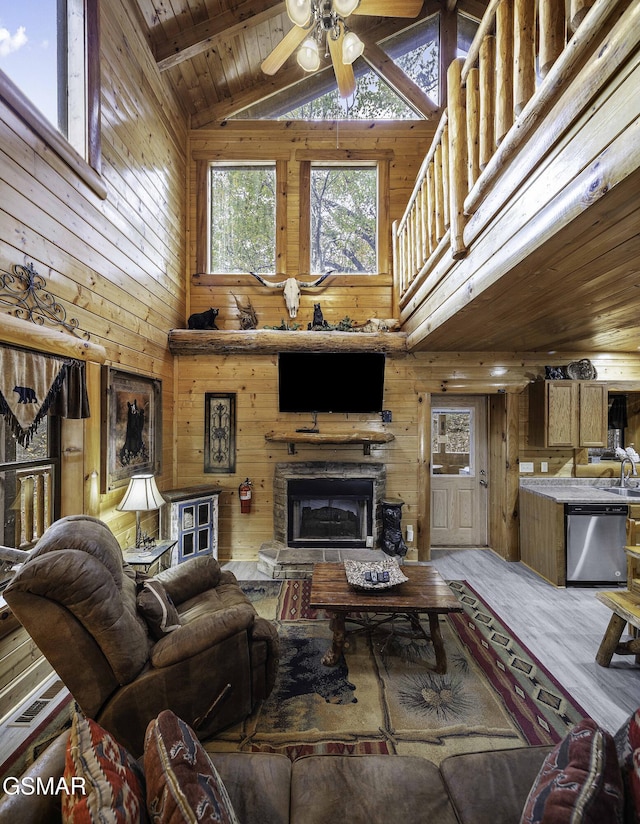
[(526, 466)]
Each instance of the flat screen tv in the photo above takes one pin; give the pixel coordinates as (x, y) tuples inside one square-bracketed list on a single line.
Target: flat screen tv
[(330, 381)]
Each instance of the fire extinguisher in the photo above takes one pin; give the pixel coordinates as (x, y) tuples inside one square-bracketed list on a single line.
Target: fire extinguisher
[(244, 492)]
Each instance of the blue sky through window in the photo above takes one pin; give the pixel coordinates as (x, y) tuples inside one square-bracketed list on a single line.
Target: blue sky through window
[(28, 51)]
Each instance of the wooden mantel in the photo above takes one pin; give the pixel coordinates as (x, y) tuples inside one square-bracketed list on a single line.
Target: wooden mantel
[(271, 341), (366, 437)]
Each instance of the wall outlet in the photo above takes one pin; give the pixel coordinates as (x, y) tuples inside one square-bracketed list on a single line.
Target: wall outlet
[(526, 466), (544, 466), (369, 542)]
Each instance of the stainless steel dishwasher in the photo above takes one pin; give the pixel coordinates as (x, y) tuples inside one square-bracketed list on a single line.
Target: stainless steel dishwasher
[(595, 540)]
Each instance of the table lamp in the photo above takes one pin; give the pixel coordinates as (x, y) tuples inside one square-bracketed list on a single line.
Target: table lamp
[(142, 495)]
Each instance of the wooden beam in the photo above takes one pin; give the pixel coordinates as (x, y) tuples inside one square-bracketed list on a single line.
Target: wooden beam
[(269, 341), (21, 332), (224, 26), (400, 82)]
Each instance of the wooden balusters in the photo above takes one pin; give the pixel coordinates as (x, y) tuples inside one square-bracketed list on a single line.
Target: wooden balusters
[(457, 157), (473, 126), (524, 58), (579, 9), (504, 69), (486, 64), (551, 25)]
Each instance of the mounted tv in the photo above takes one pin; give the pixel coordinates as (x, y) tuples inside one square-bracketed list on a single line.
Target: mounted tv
[(330, 381)]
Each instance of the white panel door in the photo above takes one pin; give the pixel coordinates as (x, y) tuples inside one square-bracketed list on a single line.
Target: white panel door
[(459, 471)]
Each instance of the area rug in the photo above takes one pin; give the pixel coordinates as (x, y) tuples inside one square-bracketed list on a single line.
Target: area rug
[(384, 697)]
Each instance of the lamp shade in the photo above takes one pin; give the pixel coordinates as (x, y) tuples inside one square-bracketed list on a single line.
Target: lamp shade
[(299, 11), (345, 7), (142, 495), (308, 55), (352, 47)]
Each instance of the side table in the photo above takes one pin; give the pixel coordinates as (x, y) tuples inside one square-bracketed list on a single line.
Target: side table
[(151, 560)]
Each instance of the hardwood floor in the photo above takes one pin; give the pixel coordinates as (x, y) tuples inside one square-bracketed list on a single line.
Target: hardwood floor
[(561, 627)]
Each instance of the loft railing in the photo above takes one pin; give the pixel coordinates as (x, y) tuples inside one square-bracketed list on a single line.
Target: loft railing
[(519, 63)]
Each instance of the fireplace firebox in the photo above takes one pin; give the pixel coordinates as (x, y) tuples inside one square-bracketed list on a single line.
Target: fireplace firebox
[(330, 512)]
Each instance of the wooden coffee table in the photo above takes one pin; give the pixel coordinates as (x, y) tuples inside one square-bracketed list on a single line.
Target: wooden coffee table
[(425, 592)]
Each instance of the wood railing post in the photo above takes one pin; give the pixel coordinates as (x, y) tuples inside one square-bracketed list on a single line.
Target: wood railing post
[(473, 127), (487, 69), (578, 12), (524, 55), (457, 157), (551, 24), (504, 69)]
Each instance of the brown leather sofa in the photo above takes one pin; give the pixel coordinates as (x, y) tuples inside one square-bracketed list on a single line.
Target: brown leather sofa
[(77, 599), (265, 788)]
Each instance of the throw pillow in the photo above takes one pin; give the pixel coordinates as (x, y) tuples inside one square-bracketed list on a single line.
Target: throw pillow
[(105, 780), (579, 781), (157, 609), (182, 783), (628, 747)]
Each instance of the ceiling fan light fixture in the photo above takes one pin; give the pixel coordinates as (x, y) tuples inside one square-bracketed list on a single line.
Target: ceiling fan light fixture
[(299, 11), (308, 55), (352, 47), (345, 7)]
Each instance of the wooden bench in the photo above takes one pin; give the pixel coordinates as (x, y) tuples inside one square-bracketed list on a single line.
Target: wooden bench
[(624, 604)]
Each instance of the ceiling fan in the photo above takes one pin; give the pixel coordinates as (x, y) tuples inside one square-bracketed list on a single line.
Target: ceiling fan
[(318, 20)]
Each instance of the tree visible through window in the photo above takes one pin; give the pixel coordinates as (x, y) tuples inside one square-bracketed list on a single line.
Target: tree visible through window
[(344, 207), (242, 211)]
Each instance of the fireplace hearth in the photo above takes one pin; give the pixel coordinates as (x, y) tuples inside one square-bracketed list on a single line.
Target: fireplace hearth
[(336, 512), (327, 505)]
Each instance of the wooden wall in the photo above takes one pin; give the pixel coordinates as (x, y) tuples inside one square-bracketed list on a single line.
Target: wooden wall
[(117, 264), (401, 146), (253, 378)]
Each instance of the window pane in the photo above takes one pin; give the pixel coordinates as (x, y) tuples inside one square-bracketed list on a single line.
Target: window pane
[(344, 205), (243, 219), (452, 442), (42, 50), (29, 51)]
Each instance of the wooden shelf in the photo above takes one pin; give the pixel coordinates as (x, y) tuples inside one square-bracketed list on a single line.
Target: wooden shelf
[(358, 436), (271, 341)]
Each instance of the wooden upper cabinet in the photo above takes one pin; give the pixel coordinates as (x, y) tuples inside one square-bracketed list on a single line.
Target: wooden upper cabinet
[(568, 414)]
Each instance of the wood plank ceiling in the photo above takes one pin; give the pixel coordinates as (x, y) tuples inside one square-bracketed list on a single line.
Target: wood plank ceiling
[(210, 51), (576, 293)]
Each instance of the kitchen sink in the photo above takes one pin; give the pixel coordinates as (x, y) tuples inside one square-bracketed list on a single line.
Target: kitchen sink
[(627, 492)]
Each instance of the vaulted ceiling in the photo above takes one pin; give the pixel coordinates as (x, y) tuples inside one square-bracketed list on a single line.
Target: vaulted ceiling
[(211, 51)]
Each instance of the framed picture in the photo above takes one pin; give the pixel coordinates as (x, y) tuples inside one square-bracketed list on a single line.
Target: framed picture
[(131, 427), (220, 432)]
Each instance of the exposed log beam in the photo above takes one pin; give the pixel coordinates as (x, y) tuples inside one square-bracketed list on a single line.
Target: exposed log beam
[(400, 82), (224, 26)]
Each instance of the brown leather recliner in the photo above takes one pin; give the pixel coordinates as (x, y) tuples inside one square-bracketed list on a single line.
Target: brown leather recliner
[(77, 599)]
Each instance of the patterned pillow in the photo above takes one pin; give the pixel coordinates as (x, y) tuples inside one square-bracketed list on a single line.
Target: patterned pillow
[(628, 747), (157, 609), (182, 783), (108, 784), (579, 782)]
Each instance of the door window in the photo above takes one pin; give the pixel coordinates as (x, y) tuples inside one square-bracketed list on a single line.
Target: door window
[(452, 442)]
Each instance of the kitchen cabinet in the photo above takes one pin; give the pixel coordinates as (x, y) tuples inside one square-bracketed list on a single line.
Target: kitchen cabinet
[(568, 414)]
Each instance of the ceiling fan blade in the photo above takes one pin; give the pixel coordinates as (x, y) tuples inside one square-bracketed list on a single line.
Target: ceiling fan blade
[(344, 71), (389, 8), (283, 50)]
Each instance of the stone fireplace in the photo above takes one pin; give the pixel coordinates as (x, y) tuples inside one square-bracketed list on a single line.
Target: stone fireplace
[(328, 504)]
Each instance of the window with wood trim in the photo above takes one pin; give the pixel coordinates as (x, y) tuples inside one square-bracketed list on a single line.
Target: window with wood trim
[(49, 74), (29, 483), (344, 217), (242, 218)]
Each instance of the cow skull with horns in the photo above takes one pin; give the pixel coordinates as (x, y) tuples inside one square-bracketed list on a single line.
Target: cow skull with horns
[(291, 289)]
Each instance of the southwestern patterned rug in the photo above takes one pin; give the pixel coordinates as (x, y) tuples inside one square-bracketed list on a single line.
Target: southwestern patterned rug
[(384, 698)]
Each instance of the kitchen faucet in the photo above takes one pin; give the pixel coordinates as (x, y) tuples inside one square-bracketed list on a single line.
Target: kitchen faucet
[(628, 456)]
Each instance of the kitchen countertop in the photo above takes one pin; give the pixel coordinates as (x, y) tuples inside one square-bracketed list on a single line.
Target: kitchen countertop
[(576, 493)]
